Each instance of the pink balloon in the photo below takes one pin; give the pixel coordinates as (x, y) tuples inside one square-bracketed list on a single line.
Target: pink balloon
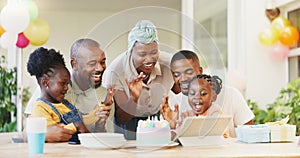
[(22, 41), (279, 51)]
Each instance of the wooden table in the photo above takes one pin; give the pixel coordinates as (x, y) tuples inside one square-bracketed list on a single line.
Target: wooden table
[(233, 148)]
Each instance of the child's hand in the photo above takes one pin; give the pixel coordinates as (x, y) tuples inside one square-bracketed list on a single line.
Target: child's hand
[(168, 114), (56, 133), (187, 113)]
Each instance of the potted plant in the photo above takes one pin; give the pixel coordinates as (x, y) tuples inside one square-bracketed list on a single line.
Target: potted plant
[(287, 103)]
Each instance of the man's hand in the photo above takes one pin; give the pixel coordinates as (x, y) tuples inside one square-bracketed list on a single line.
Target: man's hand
[(168, 114), (103, 111), (100, 125), (109, 96), (103, 114), (56, 133), (81, 127)]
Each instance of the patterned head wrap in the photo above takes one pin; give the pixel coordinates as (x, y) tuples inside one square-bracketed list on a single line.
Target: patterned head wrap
[(144, 32)]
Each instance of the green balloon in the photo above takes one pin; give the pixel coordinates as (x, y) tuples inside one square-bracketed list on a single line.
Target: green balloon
[(32, 8)]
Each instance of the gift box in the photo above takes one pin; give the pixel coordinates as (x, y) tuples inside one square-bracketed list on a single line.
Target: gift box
[(253, 133), (283, 133)]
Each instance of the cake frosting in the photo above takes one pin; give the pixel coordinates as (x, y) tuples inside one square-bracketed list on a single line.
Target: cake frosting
[(153, 133)]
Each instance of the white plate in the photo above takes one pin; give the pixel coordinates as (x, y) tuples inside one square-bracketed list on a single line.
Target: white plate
[(107, 136), (102, 140), (109, 145), (133, 144)]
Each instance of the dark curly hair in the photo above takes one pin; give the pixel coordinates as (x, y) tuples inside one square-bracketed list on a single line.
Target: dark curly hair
[(42, 60), (215, 81)]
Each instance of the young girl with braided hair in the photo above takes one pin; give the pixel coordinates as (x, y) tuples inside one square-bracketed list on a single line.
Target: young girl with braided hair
[(53, 77), (203, 91)]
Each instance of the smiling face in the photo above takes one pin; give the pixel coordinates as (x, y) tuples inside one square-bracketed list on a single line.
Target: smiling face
[(183, 71), (200, 95), (57, 85), (145, 56), (89, 67)]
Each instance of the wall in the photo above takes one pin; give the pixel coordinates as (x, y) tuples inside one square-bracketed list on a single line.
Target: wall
[(65, 27), (265, 76), (108, 28)]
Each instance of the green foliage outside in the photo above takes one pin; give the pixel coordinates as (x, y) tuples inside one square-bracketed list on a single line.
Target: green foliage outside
[(287, 103), (8, 89)]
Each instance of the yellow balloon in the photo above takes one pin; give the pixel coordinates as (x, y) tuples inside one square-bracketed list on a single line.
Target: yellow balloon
[(268, 36), (279, 23), (37, 32)]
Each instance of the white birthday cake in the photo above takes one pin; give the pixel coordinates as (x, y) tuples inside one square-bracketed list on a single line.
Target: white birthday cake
[(153, 133)]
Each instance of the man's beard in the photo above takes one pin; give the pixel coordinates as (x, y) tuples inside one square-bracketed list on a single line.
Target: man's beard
[(184, 93), (99, 84)]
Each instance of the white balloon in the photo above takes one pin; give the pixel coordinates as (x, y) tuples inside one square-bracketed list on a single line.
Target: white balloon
[(14, 17), (8, 40)]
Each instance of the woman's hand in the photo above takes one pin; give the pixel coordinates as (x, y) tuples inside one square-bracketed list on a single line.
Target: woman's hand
[(135, 86), (168, 114)]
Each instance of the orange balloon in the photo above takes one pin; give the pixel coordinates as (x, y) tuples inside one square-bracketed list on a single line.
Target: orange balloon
[(279, 23), (268, 36), (1, 30), (289, 36)]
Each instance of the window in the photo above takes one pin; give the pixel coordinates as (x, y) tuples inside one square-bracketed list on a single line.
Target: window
[(292, 12), (294, 18), (212, 15)]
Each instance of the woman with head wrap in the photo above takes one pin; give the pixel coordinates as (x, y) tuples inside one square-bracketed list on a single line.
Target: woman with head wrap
[(141, 77)]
